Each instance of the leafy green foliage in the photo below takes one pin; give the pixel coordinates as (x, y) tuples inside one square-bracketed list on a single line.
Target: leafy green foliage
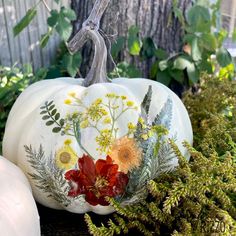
[(123, 69), (117, 47), (60, 21), (198, 197), (212, 113), (12, 82), (51, 115), (199, 45), (72, 63)]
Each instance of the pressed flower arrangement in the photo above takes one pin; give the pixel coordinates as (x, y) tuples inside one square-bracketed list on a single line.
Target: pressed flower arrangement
[(199, 197), (88, 139)]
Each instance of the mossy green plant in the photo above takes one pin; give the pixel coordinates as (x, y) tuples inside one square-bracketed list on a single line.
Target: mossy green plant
[(198, 197)]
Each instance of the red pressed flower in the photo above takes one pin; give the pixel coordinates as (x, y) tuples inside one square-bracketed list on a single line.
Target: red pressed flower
[(96, 180)]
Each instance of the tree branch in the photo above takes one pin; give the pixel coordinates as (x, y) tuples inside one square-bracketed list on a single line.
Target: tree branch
[(46, 5)]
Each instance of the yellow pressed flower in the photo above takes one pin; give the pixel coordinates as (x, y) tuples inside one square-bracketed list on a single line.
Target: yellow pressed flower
[(131, 125), (141, 120), (104, 140), (72, 94), (107, 120), (84, 124), (66, 158), (67, 101), (130, 103), (126, 154), (98, 101), (96, 112), (144, 136), (111, 95), (67, 141)]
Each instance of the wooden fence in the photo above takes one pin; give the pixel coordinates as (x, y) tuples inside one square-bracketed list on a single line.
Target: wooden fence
[(25, 48)]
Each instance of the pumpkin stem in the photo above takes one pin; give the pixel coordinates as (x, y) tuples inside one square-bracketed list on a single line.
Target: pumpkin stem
[(90, 31)]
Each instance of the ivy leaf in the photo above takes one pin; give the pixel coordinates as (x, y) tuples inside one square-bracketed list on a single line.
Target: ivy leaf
[(24, 22), (178, 13), (134, 42), (117, 47), (154, 70), (182, 63), (68, 13), (163, 65), (178, 75), (196, 53), (161, 54), (53, 19), (198, 15), (64, 28), (163, 77), (193, 73), (198, 19), (61, 21), (72, 63), (223, 57), (148, 48), (209, 42)]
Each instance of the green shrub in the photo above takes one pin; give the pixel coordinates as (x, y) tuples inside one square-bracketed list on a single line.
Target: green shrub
[(198, 198), (12, 82)]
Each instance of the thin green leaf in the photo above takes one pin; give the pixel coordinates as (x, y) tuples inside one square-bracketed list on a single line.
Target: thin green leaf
[(25, 21), (57, 117), (45, 117), (50, 122), (53, 112), (45, 38), (56, 129)]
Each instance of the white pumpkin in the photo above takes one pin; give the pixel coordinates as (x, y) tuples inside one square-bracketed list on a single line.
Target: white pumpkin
[(80, 141), (18, 211), (28, 127)]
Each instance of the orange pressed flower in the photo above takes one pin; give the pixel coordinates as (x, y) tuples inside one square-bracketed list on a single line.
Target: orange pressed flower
[(126, 154)]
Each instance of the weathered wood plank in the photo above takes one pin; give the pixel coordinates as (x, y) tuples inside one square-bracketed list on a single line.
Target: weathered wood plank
[(34, 38), (10, 21), (4, 45), (23, 37)]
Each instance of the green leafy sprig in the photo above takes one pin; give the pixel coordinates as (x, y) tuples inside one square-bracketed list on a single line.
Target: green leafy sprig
[(52, 117)]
